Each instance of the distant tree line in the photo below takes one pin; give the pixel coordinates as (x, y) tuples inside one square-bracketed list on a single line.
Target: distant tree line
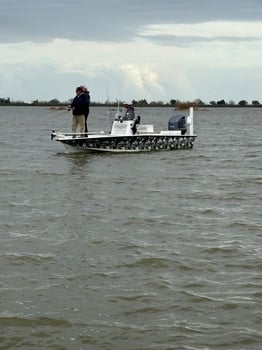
[(5, 100), (139, 103)]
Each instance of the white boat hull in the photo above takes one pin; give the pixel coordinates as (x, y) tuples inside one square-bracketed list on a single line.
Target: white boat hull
[(127, 144)]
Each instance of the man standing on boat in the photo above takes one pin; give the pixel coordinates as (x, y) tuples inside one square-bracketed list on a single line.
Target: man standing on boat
[(86, 92), (78, 107)]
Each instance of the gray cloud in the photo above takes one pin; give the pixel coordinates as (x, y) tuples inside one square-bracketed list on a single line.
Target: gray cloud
[(41, 76), (110, 20), (185, 41)]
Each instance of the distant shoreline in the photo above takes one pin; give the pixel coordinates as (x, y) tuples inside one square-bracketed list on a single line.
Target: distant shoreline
[(63, 106)]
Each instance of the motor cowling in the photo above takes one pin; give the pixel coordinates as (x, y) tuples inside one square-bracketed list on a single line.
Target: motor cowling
[(177, 122)]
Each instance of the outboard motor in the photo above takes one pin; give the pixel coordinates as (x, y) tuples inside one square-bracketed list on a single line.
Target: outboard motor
[(177, 122)]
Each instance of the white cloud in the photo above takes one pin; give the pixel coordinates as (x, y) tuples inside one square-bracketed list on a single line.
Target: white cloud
[(214, 29), (141, 76)]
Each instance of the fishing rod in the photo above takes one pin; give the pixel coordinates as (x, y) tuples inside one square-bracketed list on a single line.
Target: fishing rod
[(118, 113), (110, 109), (146, 93), (52, 111)]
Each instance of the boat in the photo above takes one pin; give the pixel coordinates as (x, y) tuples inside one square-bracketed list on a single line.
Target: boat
[(129, 135)]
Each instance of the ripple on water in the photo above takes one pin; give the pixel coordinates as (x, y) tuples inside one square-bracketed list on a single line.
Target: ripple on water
[(146, 251)]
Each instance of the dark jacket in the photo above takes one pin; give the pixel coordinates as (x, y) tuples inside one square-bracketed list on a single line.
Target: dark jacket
[(88, 103), (87, 97), (81, 103)]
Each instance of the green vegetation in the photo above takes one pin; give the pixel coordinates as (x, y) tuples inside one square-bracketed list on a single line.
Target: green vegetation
[(180, 105)]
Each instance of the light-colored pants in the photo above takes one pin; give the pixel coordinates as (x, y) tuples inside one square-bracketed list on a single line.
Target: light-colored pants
[(78, 119)]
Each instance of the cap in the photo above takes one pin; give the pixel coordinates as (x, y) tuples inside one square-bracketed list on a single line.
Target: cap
[(84, 88)]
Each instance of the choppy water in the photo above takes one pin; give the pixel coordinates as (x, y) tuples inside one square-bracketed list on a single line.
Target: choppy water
[(144, 251)]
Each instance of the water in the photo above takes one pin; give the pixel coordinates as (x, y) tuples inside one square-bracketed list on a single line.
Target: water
[(139, 251)]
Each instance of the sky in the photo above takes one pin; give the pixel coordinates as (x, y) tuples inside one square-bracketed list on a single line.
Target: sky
[(131, 50)]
